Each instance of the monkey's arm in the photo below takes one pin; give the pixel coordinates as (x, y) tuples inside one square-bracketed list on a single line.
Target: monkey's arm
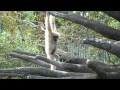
[(52, 23), (47, 24), (48, 36)]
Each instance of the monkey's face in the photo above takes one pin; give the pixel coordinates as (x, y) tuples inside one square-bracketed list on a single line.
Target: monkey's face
[(55, 38)]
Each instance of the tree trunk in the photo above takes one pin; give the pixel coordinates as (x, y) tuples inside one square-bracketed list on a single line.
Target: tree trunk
[(104, 71), (84, 76), (12, 75), (104, 30), (42, 72)]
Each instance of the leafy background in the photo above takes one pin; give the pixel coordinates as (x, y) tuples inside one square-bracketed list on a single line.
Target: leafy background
[(20, 30)]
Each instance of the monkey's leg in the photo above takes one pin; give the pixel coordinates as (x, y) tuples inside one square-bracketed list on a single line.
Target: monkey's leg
[(51, 56), (53, 67), (56, 58)]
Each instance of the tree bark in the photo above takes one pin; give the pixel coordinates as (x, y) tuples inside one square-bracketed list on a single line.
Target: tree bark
[(84, 76), (43, 61), (31, 59), (114, 14), (67, 66), (112, 48), (104, 71), (70, 57), (26, 53), (64, 56), (113, 75), (12, 75), (42, 71), (103, 29)]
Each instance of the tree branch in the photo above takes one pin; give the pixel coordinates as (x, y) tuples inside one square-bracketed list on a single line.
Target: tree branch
[(84, 76), (42, 71), (112, 48), (43, 61), (66, 66), (114, 14), (104, 71), (10, 75), (22, 52), (104, 30), (31, 59), (64, 56)]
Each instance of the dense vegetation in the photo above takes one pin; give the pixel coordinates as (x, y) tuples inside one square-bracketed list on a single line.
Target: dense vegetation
[(21, 30)]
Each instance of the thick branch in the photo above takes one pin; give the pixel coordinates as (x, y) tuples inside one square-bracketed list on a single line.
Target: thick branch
[(10, 75), (59, 65), (67, 66), (84, 76), (31, 59), (112, 48), (113, 75), (104, 30), (70, 57), (104, 71), (41, 71), (22, 52), (64, 56), (114, 14)]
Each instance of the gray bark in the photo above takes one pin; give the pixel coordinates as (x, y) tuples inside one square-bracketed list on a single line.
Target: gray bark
[(12, 75), (31, 59), (42, 71), (110, 47), (64, 56), (104, 71), (114, 14), (67, 66), (43, 61), (84, 76)]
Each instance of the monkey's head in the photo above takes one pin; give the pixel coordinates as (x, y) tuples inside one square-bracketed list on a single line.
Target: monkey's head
[(55, 35), (55, 38)]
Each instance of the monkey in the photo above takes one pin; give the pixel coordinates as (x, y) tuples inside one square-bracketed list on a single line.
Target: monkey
[(51, 38)]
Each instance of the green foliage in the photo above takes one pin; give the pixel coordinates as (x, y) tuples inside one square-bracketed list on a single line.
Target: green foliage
[(18, 31), (77, 32), (11, 37)]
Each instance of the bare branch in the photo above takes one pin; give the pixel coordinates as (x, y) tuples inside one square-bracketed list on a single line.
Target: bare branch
[(84, 76), (66, 66), (42, 71), (114, 14), (110, 47), (59, 65), (31, 59), (64, 56), (104, 71)]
